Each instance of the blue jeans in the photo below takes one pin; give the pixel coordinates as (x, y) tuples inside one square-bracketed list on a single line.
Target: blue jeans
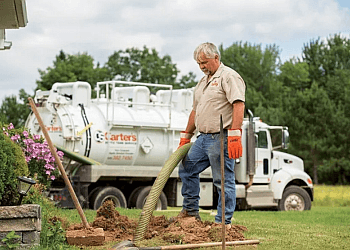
[(205, 152)]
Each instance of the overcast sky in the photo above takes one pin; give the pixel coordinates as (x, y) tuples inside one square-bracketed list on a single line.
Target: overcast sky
[(173, 27)]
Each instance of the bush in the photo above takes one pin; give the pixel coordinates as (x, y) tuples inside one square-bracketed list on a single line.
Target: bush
[(12, 164), (52, 235)]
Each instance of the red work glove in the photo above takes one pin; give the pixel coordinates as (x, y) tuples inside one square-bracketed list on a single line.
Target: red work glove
[(185, 137), (234, 144)]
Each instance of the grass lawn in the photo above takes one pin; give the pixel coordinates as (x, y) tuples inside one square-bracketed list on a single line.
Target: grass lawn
[(325, 226), (320, 228)]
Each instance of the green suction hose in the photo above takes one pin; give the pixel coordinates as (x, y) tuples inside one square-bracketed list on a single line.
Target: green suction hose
[(156, 190)]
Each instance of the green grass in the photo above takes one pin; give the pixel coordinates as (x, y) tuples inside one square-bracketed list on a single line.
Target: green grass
[(325, 226), (332, 196), (320, 228)]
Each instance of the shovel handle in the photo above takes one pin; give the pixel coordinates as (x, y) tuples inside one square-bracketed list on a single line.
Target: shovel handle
[(59, 164), (222, 162)]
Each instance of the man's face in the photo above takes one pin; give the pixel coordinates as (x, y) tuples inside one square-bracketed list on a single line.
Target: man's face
[(208, 65)]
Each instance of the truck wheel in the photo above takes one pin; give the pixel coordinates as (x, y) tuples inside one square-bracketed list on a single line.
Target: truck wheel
[(142, 194), (133, 197), (92, 196), (108, 193), (294, 198)]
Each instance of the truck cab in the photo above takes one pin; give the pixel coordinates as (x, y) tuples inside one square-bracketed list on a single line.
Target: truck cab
[(277, 179)]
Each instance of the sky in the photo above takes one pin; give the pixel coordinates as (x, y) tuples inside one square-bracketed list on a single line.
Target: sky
[(172, 27)]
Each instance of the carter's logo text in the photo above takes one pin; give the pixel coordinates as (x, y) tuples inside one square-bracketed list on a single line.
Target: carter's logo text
[(120, 137)]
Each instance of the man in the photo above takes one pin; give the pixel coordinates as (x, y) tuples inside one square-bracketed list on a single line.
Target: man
[(220, 91)]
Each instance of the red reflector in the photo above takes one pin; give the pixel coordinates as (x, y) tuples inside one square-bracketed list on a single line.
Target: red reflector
[(309, 181)]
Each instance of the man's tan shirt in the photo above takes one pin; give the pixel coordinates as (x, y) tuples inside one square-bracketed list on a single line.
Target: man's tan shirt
[(215, 97)]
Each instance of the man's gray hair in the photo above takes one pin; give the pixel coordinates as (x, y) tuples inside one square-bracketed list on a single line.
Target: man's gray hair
[(209, 50)]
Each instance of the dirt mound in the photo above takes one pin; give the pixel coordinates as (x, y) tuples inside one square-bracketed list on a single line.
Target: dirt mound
[(116, 226), (189, 230), (179, 230)]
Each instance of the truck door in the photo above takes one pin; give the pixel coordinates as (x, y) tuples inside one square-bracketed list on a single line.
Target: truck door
[(262, 158)]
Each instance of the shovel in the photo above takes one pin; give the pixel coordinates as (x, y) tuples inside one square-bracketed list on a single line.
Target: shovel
[(90, 236)]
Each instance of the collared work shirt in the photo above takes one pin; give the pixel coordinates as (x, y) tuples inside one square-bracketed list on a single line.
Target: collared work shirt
[(215, 97)]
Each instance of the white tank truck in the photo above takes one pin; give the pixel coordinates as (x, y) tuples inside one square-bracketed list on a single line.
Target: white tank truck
[(115, 146)]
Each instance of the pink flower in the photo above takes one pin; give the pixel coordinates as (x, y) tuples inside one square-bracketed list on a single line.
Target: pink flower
[(37, 153), (60, 154), (28, 141), (25, 133), (15, 137), (10, 126), (36, 137), (49, 166)]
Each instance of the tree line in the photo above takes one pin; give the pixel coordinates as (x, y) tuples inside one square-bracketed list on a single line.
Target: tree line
[(309, 94)]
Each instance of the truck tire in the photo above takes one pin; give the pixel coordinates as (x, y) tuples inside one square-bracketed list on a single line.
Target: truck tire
[(142, 194), (108, 193), (133, 197), (294, 198)]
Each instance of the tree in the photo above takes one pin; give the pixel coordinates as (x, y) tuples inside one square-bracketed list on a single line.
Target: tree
[(325, 57), (307, 113), (336, 169), (294, 74), (145, 65), (316, 107), (258, 67), (71, 68), (186, 81), (15, 111), (141, 66)]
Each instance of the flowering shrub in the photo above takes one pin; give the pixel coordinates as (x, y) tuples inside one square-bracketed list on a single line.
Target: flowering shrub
[(41, 163), (12, 164)]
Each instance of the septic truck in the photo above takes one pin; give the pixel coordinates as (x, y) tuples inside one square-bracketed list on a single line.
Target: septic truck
[(116, 144)]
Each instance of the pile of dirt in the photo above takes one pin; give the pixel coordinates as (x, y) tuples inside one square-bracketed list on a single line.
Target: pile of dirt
[(189, 230), (178, 230), (116, 226)]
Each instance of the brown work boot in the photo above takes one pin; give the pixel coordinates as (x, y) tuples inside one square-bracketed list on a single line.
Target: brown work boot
[(219, 224), (184, 213)]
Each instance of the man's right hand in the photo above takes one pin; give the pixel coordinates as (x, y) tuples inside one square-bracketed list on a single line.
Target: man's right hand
[(185, 137)]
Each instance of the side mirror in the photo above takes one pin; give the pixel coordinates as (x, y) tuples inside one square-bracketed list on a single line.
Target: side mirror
[(285, 138)]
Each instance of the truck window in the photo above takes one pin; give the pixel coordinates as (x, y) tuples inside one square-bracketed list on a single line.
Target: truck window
[(262, 139), (276, 138)]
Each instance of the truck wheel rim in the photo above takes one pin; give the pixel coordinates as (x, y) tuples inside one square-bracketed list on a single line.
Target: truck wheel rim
[(112, 198), (294, 202), (158, 205)]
